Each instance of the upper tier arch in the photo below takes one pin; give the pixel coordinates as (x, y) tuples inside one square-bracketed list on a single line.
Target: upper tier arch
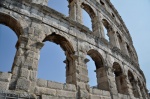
[(12, 23)]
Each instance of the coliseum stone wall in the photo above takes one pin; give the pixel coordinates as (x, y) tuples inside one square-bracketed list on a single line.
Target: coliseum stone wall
[(117, 69)]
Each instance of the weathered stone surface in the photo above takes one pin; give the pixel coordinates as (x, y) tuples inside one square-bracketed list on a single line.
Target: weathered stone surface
[(68, 94), (24, 72), (42, 83), (23, 84), (5, 77), (4, 85), (69, 87), (116, 62), (54, 85), (47, 91)]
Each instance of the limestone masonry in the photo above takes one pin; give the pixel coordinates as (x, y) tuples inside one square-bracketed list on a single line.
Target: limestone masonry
[(117, 69)]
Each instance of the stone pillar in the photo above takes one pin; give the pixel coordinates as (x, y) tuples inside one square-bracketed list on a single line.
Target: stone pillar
[(112, 83), (28, 69), (139, 91), (75, 11), (135, 89), (101, 28), (82, 76), (97, 26), (124, 48), (130, 89), (113, 39), (18, 61), (71, 68), (124, 86), (118, 84), (143, 92), (102, 79)]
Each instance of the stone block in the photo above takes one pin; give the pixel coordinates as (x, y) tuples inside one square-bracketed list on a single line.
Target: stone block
[(69, 87), (83, 78), (95, 97), (97, 91), (54, 85), (24, 72), (106, 93), (15, 70), (4, 85), (47, 91), (84, 94), (32, 75), (81, 85), (41, 83), (23, 84), (5, 77), (69, 79), (62, 93), (49, 97)]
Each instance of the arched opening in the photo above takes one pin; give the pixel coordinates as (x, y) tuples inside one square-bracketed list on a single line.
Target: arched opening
[(100, 69), (8, 41), (10, 21), (87, 20), (51, 62), (89, 17), (107, 29), (91, 72), (13, 24), (120, 79), (133, 84), (60, 6), (59, 58)]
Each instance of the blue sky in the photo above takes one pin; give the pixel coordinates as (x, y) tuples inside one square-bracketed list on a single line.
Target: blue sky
[(136, 16)]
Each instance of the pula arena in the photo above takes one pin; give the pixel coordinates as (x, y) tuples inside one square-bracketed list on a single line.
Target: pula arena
[(117, 69)]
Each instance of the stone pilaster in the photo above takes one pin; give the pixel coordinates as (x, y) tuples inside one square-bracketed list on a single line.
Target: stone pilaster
[(124, 48), (136, 91), (28, 69), (96, 26), (18, 61), (113, 39), (102, 79), (75, 11), (112, 83)]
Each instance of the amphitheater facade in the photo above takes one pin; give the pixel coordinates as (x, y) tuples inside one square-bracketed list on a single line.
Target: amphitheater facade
[(117, 69)]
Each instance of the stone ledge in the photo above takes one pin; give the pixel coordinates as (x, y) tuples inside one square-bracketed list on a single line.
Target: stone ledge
[(55, 85), (5, 76)]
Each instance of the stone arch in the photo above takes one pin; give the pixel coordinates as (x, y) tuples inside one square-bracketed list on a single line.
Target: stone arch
[(15, 25), (69, 52), (96, 56), (12, 23), (89, 10), (100, 69), (133, 83), (91, 13)]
